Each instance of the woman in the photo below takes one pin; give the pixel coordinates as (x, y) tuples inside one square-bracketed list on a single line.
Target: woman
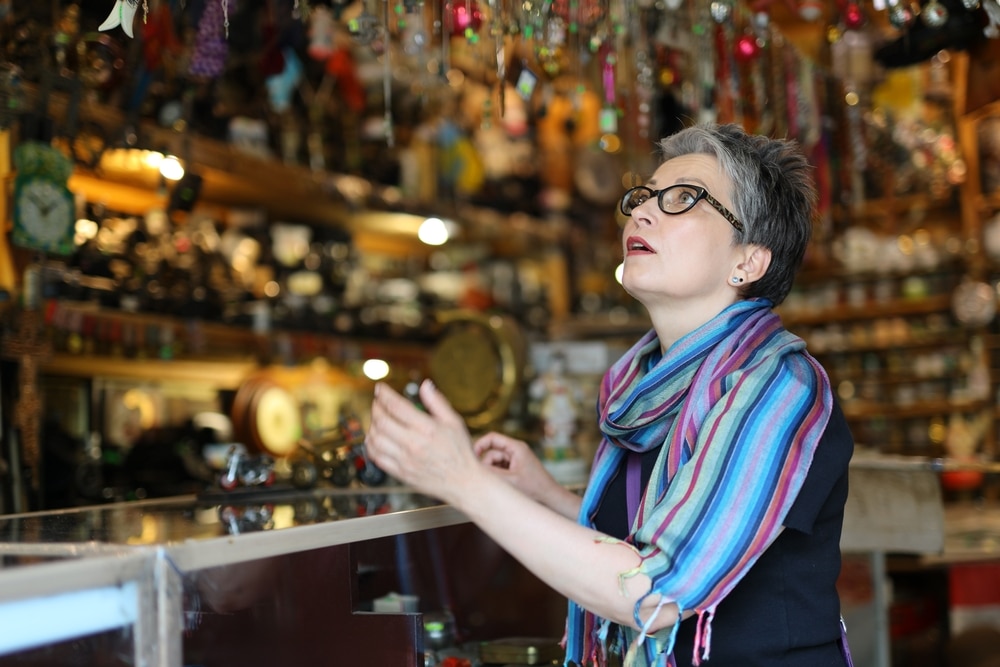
[(709, 531)]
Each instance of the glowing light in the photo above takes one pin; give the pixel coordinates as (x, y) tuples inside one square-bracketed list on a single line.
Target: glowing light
[(375, 369), (171, 168), (434, 231)]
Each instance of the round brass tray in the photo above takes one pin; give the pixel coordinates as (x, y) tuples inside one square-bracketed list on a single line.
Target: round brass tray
[(478, 364)]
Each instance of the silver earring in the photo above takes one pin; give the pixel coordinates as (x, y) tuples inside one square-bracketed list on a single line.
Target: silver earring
[(737, 280)]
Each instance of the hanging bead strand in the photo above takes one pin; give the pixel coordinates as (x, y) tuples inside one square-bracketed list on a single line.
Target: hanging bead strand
[(390, 132)]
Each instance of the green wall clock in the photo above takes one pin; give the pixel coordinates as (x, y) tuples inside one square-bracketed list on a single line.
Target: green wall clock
[(44, 208)]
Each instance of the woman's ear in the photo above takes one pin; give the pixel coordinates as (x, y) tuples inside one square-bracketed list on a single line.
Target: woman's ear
[(755, 262)]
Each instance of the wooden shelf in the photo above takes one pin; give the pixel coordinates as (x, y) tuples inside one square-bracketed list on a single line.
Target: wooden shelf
[(860, 410), (935, 342), (600, 326), (240, 344), (896, 378), (819, 276), (379, 217), (894, 206), (898, 308), (208, 373)]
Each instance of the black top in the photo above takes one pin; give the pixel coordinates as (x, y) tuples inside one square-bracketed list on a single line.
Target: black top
[(786, 611)]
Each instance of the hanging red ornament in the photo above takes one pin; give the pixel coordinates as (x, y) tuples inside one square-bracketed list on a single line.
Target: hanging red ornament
[(854, 16), (746, 48), (465, 16), (811, 10)]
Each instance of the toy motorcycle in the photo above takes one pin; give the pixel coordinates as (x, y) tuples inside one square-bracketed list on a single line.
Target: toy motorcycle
[(339, 458), (242, 469)]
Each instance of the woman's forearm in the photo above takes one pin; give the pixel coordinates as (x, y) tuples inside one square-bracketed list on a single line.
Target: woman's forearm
[(562, 501), (576, 561)]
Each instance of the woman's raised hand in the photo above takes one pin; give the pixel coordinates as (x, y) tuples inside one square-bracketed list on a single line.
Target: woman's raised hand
[(430, 451)]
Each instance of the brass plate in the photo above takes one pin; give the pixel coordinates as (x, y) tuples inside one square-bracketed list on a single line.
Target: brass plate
[(521, 651), (477, 365)]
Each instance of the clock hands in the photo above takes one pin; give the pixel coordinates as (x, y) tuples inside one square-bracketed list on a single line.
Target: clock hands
[(43, 206)]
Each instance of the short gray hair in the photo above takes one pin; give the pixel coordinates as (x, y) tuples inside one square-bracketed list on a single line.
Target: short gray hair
[(773, 195)]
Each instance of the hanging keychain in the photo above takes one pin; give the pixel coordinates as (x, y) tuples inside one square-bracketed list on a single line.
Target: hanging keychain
[(363, 27), (390, 133), (608, 121), (447, 26), (777, 85), (497, 30), (758, 81), (722, 14)]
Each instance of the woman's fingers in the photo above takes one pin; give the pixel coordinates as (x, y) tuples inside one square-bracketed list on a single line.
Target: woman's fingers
[(437, 404), (429, 450), (394, 424), (495, 458)]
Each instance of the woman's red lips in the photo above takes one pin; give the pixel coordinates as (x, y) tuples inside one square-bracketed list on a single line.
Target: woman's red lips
[(636, 244)]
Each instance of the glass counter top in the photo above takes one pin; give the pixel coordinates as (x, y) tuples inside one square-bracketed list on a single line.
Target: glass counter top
[(196, 526)]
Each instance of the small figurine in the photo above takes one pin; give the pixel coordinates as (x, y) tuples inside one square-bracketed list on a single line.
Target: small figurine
[(558, 409)]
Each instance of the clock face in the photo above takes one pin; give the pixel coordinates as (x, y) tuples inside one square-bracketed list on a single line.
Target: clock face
[(974, 303), (43, 215)]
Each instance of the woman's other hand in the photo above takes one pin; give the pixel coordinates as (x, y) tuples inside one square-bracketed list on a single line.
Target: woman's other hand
[(515, 461)]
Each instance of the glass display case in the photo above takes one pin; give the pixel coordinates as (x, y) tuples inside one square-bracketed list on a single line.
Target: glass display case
[(275, 577)]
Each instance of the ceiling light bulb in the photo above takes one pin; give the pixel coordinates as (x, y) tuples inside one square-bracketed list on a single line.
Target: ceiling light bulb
[(171, 168)]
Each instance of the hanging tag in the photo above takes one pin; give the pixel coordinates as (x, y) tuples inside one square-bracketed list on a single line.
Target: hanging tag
[(608, 120), (526, 83)]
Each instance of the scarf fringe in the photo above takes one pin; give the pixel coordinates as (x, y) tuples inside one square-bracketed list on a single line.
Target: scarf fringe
[(703, 636)]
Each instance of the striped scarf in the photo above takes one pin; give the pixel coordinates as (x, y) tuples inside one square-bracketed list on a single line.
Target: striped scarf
[(739, 407)]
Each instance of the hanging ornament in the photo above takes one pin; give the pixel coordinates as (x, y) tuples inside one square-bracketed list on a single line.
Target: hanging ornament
[(466, 18), (281, 86), (342, 69), (499, 51), (208, 59), (934, 15), (971, 5), (747, 48), (337, 8), (761, 109), (583, 12), (413, 35), (122, 14), (645, 92), (992, 9), (901, 16), (363, 27), (854, 16), (608, 119), (811, 10), (551, 50), (321, 33), (388, 124), (721, 11)]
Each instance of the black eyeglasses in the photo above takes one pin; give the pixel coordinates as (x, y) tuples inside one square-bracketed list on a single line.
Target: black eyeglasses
[(676, 199)]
